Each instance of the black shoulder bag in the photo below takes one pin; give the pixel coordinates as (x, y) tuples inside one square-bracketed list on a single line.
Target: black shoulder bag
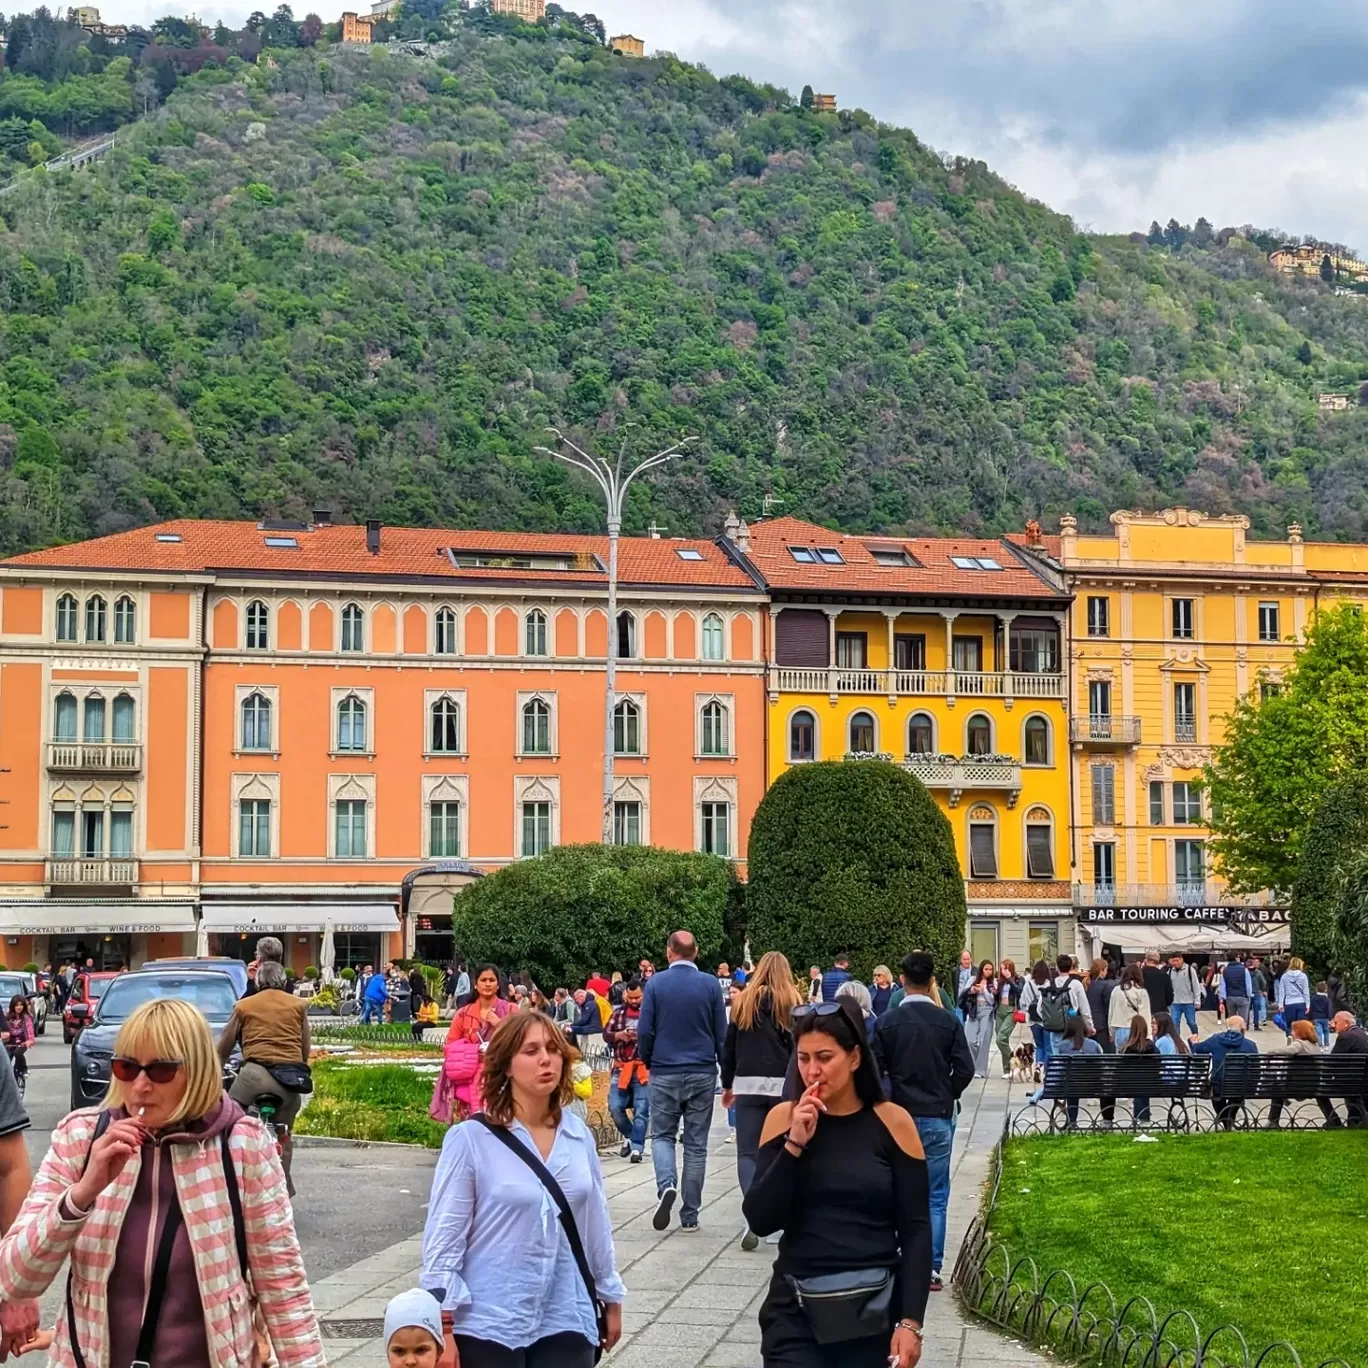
[(567, 1220)]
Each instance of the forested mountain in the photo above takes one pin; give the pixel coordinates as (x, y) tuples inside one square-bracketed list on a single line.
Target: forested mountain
[(366, 281)]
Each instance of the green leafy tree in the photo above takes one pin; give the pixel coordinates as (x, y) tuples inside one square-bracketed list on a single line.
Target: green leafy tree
[(854, 856), (806, 98), (1155, 237), (1281, 756), (1327, 269), (1202, 233), (584, 908), (1304, 354), (1335, 839), (1175, 234)]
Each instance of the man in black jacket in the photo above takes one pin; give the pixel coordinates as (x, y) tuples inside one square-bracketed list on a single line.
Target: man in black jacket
[(923, 1051), (1157, 983), (1350, 1039)]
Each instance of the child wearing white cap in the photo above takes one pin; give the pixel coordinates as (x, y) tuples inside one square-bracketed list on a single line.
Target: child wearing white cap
[(413, 1330)]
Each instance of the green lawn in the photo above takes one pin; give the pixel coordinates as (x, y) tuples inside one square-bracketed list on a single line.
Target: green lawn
[(1264, 1230), (371, 1102)]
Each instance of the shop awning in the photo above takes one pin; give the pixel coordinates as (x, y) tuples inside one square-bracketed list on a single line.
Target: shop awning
[(70, 917), (259, 918), (1190, 939)]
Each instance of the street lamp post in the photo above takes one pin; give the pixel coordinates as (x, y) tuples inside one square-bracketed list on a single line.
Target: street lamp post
[(613, 479)]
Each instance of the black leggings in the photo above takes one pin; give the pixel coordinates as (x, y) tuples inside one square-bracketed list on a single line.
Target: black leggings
[(555, 1351), (786, 1337), (750, 1122)]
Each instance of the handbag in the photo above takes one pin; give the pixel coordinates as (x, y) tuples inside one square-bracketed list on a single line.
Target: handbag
[(846, 1306), (567, 1220)]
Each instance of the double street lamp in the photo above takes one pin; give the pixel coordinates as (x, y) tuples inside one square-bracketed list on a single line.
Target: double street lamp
[(613, 478)]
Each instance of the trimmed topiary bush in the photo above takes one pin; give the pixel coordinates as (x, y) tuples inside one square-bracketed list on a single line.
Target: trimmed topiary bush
[(311, 971), (585, 908), (1338, 833), (33, 968), (854, 856), (348, 975)]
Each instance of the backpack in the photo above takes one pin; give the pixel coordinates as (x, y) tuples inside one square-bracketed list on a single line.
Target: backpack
[(1054, 1006)]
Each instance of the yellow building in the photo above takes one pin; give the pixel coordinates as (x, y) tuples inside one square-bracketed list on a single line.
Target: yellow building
[(1175, 616), (946, 656), (823, 104), (530, 11), (625, 45)]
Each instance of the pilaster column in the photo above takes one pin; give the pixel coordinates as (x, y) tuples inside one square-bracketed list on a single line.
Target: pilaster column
[(1009, 682), (949, 614), (891, 614), (832, 615)]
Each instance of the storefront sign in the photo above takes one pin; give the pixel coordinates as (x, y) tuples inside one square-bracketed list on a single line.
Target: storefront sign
[(1185, 916), (66, 929)]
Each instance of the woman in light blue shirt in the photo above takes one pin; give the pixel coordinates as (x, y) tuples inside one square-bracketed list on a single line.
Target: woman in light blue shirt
[(495, 1253)]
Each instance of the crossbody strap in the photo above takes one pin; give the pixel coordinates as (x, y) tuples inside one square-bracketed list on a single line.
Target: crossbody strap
[(567, 1217), (235, 1202), (101, 1125), (156, 1292)]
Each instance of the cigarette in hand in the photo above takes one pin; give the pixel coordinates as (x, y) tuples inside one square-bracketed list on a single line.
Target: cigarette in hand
[(141, 1111)]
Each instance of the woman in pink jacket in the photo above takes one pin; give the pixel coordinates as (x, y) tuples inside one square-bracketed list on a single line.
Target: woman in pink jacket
[(457, 1091), (184, 1193)]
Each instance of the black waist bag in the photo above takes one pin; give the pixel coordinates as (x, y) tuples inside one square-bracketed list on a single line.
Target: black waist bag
[(296, 1077), (846, 1306)]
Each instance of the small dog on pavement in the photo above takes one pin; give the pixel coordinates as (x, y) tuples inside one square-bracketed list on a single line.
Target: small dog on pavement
[(1023, 1064)]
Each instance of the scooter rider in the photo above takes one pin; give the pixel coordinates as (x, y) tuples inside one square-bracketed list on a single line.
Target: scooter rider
[(273, 1027)]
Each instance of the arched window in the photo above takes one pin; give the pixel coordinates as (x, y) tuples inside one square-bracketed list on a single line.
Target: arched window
[(258, 626), (64, 718), (921, 735), (351, 724), (979, 736), (626, 636), (534, 633), (1039, 844), (713, 647), (93, 723), (444, 638), (983, 860), (714, 737), (536, 727), (256, 722), (352, 628), (627, 728), (66, 618), (1036, 750), (95, 618), (862, 741), (446, 725), (802, 736), (125, 621), (122, 717)]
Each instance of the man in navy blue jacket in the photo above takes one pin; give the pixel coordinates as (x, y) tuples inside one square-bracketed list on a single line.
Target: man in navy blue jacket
[(679, 1039)]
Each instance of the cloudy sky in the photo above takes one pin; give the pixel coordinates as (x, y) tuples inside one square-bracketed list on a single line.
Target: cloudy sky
[(1246, 111)]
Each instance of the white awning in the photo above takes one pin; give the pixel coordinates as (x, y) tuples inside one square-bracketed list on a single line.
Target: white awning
[(260, 918), (1190, 939), (60, 917)]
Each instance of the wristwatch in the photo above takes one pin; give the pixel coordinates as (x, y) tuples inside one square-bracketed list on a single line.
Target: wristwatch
[(909, 1325)]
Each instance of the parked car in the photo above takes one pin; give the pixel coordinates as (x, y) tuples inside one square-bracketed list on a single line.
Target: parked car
[(208, 989), (86, 989), (236, 969), (13, 985)]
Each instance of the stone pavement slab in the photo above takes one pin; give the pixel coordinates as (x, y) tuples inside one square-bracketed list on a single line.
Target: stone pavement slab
[(693, 1299)]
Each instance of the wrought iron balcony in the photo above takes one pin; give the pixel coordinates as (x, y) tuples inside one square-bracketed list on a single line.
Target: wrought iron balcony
[(1190, 893), (1102, 729), (967, 773), (106, 873), (102, 757), (916, 683)]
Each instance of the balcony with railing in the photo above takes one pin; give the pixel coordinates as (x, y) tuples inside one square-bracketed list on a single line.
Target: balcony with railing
[(967, 773), (1102, 729), (73, 871), (916, 683), (1185, 729), (1185, 893), (100, 757)]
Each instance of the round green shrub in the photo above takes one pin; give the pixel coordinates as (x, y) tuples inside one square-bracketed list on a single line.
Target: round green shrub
[(348, 975), (311, 971), (1337, 834), (581, 909), (32, 968), (853, 856)]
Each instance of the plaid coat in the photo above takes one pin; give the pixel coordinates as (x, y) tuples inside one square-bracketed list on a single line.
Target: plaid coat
[(38, 1243)]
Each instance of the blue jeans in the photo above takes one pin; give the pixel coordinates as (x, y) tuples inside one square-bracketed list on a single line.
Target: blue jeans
[(686, 1097), (1293, 1011), (1258, 1009), (1322, 1031), (1042, 1042), (637, 1100), (938, 1138), (1184, 1011), (368, 1007), (1054, 1043)]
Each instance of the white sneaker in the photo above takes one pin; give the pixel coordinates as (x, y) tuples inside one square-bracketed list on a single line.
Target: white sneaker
[(773, 1239)]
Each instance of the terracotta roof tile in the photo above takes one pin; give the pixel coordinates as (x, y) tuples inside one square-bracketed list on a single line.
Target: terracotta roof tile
[(935, 574), (206, 547)]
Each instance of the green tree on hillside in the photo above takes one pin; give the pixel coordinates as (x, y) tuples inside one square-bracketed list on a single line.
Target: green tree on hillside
[(1327, 270), (1156, 234), (1336, 837), (1282, 755), (1305, 354), (806, 98), (853, 856)]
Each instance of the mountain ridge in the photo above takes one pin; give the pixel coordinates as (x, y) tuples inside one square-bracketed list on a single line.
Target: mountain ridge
[(355, 279)]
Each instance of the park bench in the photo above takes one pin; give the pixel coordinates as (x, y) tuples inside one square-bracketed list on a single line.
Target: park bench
[(1283, 1079), (1174, 1079)]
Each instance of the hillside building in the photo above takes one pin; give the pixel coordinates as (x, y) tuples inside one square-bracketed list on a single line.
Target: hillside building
[(529, 11), (625, 45), (823, 104), (356, 28), (1307, 259), (946, 656), (210, 731), (1333, 403)]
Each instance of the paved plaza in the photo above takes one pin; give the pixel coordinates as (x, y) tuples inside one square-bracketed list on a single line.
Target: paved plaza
[(692, 1300)]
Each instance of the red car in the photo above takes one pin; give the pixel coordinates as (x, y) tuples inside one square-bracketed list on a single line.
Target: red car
[(86, 991)]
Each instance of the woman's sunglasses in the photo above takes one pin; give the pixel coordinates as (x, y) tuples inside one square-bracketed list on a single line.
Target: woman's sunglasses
[(158, 1071), (818, 1009)]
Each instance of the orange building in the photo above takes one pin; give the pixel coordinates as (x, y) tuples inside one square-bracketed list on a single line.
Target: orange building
[(626, 45), (356, 28), (210, 730)]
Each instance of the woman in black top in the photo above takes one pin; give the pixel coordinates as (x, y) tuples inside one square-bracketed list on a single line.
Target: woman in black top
[(841, 1172)]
